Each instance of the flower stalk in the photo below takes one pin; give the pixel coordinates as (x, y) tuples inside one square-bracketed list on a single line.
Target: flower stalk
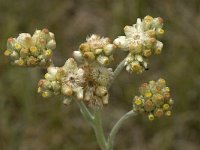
[(116, 128), (117, 72), (98, 129)]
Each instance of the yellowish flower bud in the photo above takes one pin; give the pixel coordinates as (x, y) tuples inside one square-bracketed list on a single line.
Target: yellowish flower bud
[(46, 94), (109, 49), (84, 47), (7, 52), (89, 56), (66, 90), (103, 60), (158, 112), (168, 113), (160, 31), (147, 52), (17, 46), (148, 105), (101, 91), (166, 106), (138, 101), (98, 51), (151, 117)]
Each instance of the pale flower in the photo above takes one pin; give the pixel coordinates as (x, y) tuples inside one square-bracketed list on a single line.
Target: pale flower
[(141, 40)]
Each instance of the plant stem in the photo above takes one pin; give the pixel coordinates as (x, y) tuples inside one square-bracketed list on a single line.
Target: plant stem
[(99, 130), (116, 128), (85, 112), (117, 71), (95, 122)]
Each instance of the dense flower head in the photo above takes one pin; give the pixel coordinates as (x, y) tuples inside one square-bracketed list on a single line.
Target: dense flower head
[(86, 82), (27, 50), (154, 99), (72, 81), (95, 49), (51, 85), (141, 39)]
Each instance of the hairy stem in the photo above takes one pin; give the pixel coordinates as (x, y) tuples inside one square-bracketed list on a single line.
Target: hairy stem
[(98, 129), (116, 128), (95, 122), (117, 71), (85, 112)]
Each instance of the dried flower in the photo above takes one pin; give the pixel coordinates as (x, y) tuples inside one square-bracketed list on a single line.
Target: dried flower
[(141, 41), (96, 81), (95, 49), (154, 99), (31, 51)]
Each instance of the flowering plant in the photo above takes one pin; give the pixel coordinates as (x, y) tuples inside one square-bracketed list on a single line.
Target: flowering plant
[(86, 78)]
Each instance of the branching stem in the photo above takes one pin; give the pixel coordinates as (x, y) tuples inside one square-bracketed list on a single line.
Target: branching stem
[(117, 71), (116, 128)]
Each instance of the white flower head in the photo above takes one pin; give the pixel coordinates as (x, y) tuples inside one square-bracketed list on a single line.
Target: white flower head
[(72, 79), (141, 39)]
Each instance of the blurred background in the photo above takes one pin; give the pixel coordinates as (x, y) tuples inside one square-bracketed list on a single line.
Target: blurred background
[(29, 122)]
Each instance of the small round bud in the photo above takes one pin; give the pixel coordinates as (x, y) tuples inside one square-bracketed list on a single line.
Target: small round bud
[(121, 43), (148, 94), (89, 56), (66, 90), (51, 44), (109, 49), (168, 113), (46, 94), (17, 46), (7, 52), (20, 62), (78, 56), (148, 105), (98, 51), (135, 67), (166, 106), (151, 117), (147, 52), (137, 101), (84, 47), (160, 31), (103, 60), (158, 112), (101, 91)]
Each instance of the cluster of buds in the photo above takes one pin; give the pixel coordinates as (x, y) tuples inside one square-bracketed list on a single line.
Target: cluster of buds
[(95, 49), (51, 85), (154, 99), (29, 51), (141, 39), (87, 82)]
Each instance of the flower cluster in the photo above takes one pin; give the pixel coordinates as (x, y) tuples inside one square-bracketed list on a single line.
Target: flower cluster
[(82, 82), (72, 81), (154, 99), (141, 42), (95, 49), (51, 85), (27, 50)]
